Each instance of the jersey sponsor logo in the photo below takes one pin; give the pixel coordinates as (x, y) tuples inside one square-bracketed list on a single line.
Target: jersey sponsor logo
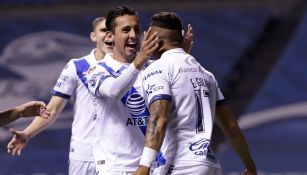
[(137, 121), (153, 88), (152, 73), (187, 69), (63, 77), (190, 61), (58, 84), (101, 162), (94, 79), (170, 170), (135, 104), (202, 148), (192, 69), (91, 69)]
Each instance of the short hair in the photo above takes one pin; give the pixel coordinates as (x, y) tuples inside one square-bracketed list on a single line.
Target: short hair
[(97, 21), (171, 22), (116, 12), (167, 20)]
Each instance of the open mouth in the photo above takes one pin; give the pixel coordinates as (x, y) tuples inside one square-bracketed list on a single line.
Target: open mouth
[(131, 45), (109, 43)]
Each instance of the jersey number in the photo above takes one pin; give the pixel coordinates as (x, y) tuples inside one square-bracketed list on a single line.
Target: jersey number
[(200, 96)]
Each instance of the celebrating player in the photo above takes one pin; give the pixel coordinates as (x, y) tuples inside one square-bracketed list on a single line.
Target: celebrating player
[(72, 83), (183, 99)]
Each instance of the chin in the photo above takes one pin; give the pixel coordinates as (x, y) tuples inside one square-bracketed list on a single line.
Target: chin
[(109, 50), (130, 57)]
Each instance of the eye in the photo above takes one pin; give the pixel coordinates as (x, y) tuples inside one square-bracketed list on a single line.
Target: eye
[(103, 30), (126, 29), (137, 29)]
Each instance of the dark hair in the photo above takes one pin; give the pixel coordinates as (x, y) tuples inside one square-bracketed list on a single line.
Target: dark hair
[(167, 20), (97, 21), (116, 12), (171, 22)]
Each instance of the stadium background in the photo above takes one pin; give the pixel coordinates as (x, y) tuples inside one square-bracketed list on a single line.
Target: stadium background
[(255, 48)]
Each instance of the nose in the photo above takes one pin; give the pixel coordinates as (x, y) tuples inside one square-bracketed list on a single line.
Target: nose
[(132, 33), (108, 38)]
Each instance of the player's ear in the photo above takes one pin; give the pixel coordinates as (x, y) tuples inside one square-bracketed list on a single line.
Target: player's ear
[(93, 36)]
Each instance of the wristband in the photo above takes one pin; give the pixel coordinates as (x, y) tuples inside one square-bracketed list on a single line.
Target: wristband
[(148, 156)]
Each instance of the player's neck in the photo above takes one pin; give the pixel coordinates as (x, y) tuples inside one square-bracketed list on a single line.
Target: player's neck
[(167, 47), (99, 55), (121, 58)]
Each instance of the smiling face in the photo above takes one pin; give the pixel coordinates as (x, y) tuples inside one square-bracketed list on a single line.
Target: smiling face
[(103, 43), (126, 37)]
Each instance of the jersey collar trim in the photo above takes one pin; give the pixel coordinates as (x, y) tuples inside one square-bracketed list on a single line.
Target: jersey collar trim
[(113, 63)]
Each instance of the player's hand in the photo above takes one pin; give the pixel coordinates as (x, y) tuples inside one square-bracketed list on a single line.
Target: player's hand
[(187, 42), (33, 108), (18, 142), (248, 172), (142, 170), (148, 45)]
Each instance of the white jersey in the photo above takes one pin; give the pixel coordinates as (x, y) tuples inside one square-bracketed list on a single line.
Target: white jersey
[(72, 83), (121, 123), (193, 92)]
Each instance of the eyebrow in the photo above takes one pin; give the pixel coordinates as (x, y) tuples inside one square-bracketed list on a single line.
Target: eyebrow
[(103, 29)]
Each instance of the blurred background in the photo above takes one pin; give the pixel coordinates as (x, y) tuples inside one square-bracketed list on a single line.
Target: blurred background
[(257, 50)]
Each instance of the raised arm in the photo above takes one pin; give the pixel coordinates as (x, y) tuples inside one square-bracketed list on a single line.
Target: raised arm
[(108, 86), (156, 127), (229, 126), (29, 109), (19, 141)]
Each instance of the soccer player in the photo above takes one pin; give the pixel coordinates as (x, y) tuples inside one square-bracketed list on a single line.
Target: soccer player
[(29, 109), (183, 99), (72, 83), (119, 102), (122, 114)]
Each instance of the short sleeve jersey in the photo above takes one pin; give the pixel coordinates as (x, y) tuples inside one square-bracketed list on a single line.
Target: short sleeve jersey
[(121, 123), (72, 83), (193, 93)]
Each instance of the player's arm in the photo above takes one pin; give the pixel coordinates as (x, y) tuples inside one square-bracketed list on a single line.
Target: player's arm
[(156, 127), (29, 109), (111, 87), (229, 126), (19, 141)]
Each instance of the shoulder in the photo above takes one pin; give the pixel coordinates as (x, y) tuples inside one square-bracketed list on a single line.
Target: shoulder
[(154, 69), (156, 65)]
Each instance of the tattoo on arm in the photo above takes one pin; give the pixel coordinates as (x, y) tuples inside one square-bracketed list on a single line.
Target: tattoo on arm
[(159, 112)]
